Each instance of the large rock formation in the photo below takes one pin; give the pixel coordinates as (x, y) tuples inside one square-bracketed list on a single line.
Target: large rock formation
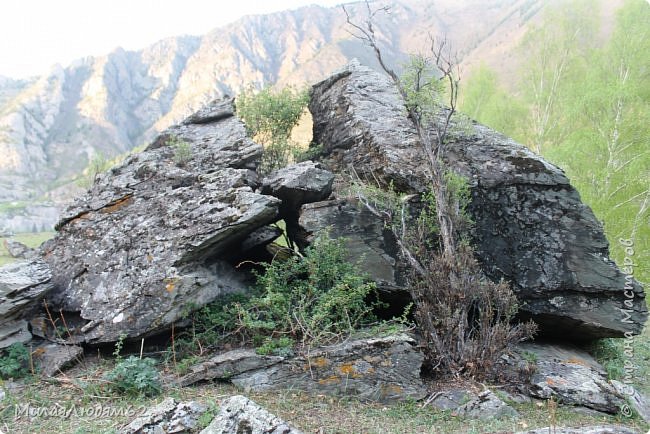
[(152, 237), (531, 227)]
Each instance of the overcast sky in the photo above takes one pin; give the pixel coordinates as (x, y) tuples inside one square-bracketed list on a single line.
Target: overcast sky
[(35, 34)]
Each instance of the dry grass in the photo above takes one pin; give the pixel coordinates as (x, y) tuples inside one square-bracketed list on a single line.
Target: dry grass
[(311, 413)]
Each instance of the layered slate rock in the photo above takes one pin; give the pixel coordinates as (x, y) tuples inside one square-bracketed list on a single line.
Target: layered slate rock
[(22, 285), (572, 377), (240, 415), (531, 227), (366, 236), (152, 237), (377, 369)]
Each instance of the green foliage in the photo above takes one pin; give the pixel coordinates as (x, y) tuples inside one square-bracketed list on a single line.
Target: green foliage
[(314, 299), (423, 88), (182, 150), (311, 153), (134, 377), (282, 346), (270, 116), (609, 353), (119, 345), (14, 361)]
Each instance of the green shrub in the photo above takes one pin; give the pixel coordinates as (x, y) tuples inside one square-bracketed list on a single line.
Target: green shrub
[(314, 299), (14, 361), (276, 347), (269, 117), (135, 377), (182, 150)]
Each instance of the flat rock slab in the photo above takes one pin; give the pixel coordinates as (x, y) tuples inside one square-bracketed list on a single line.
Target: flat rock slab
[(53, 358), (571, 376), (22, 285), (227, 365), (153, 236), (240, 415), (170, 416), (378, 369), (531, 227)]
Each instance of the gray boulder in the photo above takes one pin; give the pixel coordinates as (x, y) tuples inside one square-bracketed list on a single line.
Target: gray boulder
[(22, 285), (366, 237), (52, 359), (298, 184), (167, 417), (153, 237), (571, 376), (240, 415), (531, 227)]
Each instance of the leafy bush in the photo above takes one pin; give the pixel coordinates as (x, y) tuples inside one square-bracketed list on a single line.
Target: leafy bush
[(315, 299), (269, 117), (182, 150), (14, 361), (135, 377)]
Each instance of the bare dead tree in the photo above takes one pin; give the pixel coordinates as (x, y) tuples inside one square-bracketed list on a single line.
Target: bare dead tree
[(445, 63), (464, 318)]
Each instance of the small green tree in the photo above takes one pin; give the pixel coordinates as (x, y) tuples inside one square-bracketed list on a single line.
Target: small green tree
[(270, 116)]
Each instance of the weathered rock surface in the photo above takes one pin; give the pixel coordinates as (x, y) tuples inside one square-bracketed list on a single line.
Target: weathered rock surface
[(531, 227), (378, 369), (152, 235), (227, 365), (450, 399), (169, 416), (366, 237), (22, 285), (17, 249), (486, 406), (53, 358), (594, 429), (571, 376), (240, 415), (298, 184)]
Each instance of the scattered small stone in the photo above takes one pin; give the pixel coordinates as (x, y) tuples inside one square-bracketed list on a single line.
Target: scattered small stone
[(240, 415), (486, 406)]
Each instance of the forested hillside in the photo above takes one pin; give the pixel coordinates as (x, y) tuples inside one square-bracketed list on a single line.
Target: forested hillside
[(585, 106)]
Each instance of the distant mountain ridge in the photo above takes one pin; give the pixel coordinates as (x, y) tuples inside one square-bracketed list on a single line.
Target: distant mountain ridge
[(51, 127)]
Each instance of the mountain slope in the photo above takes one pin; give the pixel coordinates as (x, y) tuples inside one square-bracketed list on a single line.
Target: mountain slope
[(51, 129)]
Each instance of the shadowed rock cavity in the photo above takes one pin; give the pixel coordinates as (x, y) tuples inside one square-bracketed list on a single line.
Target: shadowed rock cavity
[(531, 227)]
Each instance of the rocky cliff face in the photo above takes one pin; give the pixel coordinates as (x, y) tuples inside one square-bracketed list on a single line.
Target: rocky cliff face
[(52, 128), (158, 235), (531, 227)]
